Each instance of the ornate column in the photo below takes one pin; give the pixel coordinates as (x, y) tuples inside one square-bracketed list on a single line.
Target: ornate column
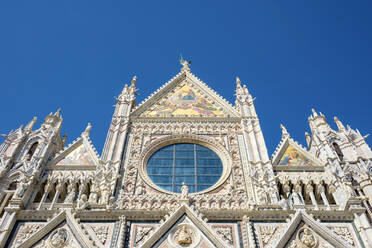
[(297, 196), (56, 195), (47, 189), (310, 192), (122, 231), (321, 191), (362, 224), (6, 225), (248, 237)]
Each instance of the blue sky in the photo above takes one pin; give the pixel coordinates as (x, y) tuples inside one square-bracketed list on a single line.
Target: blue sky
[(293, 56)]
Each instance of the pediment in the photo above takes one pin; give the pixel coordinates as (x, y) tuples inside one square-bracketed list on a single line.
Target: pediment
[(61, 231), (81, 154), (291, 155), (304, 231), (184, 228), (185, 96)]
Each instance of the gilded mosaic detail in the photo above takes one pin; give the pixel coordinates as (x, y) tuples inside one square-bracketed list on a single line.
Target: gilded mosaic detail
[(184, 102), (293, 157)]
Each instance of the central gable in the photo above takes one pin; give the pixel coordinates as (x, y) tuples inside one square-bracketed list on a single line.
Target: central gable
[(185, 96), (184, 100)]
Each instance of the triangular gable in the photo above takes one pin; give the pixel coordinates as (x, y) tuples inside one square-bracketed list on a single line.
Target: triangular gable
[(289, 154), (170, 222), (75, 231), (314, 229), (80, 154), (185, 95)]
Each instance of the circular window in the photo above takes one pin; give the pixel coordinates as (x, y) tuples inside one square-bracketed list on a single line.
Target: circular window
[(195, 165)]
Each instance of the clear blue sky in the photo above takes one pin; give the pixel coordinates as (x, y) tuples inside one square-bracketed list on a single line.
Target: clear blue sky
[(293, 56)]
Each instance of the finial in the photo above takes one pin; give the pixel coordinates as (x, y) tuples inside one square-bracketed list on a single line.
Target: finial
[(58, 113), (339, 124), (185, 64), (64, 138), (134, 80), (238, 82), (30, 124), (284, 130), (314, 113), (87, 130)]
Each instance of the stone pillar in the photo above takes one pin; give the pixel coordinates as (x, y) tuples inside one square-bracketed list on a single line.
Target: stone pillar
[(298, 198), (310, 191), (47, 189), (56, 195), (321, 192), (366, 186), (122, 231), (6, 225), (248, 237), (5, 201), (364, 228)]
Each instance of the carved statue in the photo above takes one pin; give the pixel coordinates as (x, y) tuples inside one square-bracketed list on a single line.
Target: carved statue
[(71, 192), (184, 191), (307, 238), (93, 197), (184, 237), (59, 238), (22, 186), (105, 194), (82, 202)]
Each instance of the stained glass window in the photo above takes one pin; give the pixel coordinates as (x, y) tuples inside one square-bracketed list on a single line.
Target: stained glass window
[(195, 165)]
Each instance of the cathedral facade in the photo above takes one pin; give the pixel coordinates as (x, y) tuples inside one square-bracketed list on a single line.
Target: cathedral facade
[(185, 169)]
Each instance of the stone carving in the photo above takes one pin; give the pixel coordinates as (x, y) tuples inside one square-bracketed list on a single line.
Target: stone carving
[(25, 232), (71, 192), (344, 233), (306, 238), (226, 234), (183, 236), (267, 232), (101, 233), (23, 184), (184, 191), (82, 202), (142, 232), (59, 238)]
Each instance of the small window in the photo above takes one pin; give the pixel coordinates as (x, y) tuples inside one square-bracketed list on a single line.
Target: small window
[(338, 151), (32, 150)]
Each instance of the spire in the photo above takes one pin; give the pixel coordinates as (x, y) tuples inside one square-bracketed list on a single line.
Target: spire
[(238, 82), (30, 124), (314, 113), (134, 80), (308, 138), (339, 124)]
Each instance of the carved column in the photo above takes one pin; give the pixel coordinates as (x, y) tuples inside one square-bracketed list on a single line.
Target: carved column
[(310, 192), (321, 192), (56, 195), (364, 228), (298, 198), (248, 237), (122, 231), (47, 189), (366, 186), (7, 222)]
